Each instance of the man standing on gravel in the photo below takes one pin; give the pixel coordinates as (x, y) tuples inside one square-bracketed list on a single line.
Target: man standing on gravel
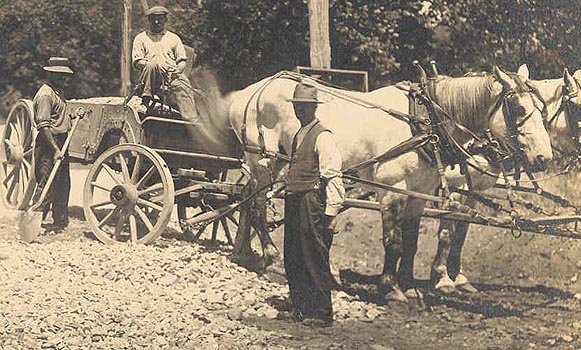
[(314, 195), (161, 58), (53, 127)]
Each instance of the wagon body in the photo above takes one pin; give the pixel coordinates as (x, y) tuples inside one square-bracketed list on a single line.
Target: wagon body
[(111, 122)]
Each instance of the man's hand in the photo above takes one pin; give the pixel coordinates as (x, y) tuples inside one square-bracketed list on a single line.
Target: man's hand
[(58, 155), (168, 67), (79, 112), (331, 223)]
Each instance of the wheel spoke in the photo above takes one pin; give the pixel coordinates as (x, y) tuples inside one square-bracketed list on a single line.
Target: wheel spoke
[(124, 167), (214, 230), (28, 152), (26, 165), (149, 204), (13, 131), (20, 128), (133, 227), (13, 187), (101, 187), (226, 229), (232, 218), (10, 175), (119, 226), (145, 177), (108, 216), (23, 180), (150, 189), (111, 173), (136, 167), (100, 204), (144, 218)]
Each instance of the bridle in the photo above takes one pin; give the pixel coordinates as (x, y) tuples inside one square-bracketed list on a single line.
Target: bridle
[(568, 107), (507, 98)]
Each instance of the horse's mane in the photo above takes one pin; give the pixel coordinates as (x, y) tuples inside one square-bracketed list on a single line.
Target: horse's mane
[(466, 99)]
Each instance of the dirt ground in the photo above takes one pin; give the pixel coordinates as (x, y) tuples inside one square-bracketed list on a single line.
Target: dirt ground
[(530, 296)]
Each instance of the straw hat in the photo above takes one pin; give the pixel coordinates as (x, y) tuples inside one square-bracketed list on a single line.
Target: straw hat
[(305, 93), (58, 65)]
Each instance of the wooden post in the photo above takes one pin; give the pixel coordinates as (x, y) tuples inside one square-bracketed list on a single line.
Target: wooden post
[(319, 33), (144, 5), (126, 50)]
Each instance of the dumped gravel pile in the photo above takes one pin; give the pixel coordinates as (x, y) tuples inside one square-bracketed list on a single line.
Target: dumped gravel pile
[(81, 294)]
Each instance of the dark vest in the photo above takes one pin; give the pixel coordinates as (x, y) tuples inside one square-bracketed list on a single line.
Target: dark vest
[(303, 174)]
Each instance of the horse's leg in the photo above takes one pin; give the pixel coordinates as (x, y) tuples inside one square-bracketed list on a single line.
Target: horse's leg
[(410, 221), (253, 214), (391, 209), (242, 242), (263, 171), (454, 263), (439, 276)]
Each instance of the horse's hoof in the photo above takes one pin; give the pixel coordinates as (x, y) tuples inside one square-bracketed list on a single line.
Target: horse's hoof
[(445, 285), (467, 288), (413, 293), (396, 295), (462, 284)]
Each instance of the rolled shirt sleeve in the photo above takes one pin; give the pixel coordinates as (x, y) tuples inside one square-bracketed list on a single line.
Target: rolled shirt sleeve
[(180, 51), (330, 164), (43, 111), (138, 52)]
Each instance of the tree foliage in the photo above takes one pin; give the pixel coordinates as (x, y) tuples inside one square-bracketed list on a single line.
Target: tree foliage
[(248, 40)]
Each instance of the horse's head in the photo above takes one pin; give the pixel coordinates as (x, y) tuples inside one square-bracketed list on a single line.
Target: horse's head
[(571, 107), (563, 110), (517, 120)]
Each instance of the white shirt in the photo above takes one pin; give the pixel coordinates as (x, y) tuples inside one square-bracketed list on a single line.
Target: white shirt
[(330, 164), (165, 46)]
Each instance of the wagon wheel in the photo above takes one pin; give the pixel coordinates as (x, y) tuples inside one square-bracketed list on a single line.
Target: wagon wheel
[(17, 175), (128, 195), (226, 224)]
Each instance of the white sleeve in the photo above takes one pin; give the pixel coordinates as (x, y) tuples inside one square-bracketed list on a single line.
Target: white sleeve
[(330, 164)]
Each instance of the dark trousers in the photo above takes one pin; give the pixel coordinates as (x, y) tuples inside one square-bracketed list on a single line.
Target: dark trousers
[(57, 197), (180, 90), (307, 241)]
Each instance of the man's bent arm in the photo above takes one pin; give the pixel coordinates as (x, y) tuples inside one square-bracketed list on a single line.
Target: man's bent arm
[(330, 164)]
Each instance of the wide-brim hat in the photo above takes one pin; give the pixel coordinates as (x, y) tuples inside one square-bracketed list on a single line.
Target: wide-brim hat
[(58, 65), (305, 93), (157, 10)]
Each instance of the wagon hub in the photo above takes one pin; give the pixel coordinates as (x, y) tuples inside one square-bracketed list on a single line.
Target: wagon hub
[(16, 153), (124, 195)]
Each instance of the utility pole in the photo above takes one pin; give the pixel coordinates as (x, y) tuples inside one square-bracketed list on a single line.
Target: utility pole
[(319, 33), (126, 50)]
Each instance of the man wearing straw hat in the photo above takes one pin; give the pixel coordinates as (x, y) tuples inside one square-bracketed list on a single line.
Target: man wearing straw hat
[(314, 195), (161, 58), (53, 127)]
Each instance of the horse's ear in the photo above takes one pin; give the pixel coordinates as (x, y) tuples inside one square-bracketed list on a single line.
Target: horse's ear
[(523, 71), (507, 82), (577, 75), (569, 81)]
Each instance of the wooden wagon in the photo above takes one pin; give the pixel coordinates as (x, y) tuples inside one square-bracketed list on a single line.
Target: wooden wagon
[(143, 162)]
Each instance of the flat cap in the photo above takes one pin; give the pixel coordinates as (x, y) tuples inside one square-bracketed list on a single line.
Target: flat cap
[(157, 10)]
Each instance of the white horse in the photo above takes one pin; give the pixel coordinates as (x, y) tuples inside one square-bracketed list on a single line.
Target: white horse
[(563, 117), (264, 120)]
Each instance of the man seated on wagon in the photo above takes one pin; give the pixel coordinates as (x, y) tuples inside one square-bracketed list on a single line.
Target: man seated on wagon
[(160, 56)]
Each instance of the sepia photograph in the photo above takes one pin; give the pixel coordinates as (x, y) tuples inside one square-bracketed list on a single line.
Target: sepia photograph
[(290, 174)]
